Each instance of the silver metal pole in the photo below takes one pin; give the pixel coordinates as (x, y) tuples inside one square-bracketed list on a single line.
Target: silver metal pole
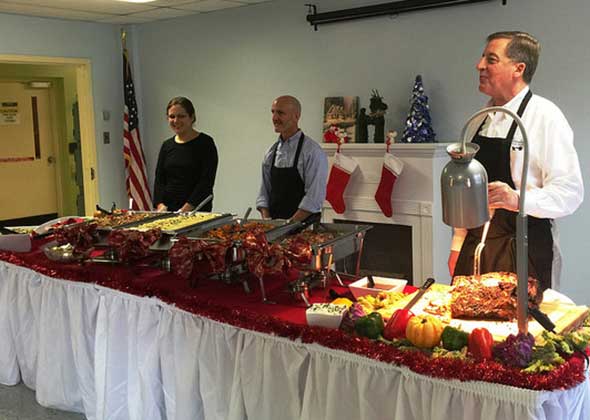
[(521, 220)]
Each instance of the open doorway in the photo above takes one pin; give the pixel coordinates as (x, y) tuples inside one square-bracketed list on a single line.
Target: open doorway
[(60, 139)]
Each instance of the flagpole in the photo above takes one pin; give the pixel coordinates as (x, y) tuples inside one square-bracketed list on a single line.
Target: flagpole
[(124, 38), (135, 166)]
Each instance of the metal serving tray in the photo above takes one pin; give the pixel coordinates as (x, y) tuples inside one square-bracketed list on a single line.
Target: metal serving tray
[(166, 240), (201, 231), (104, 231), (222, 219), (153, 216), (348, 240)]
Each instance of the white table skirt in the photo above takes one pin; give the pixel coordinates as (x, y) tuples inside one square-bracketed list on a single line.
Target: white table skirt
[(115, 356)]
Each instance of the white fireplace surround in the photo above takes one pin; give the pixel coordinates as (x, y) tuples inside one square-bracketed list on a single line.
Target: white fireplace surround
[(416, 200)]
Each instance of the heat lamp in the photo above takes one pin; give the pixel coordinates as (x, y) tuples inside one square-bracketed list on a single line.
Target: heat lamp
[(465, 200)]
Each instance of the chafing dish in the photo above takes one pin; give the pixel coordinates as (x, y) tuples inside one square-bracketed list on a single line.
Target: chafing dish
[(329, 242), (347, 239), (235, 256), (123, 220), (166, 240)]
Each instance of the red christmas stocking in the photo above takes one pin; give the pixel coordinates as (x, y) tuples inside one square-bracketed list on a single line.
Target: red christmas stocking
[(392, 167), (342, 168)]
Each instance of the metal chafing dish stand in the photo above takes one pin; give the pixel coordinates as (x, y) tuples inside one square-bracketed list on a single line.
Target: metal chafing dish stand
[(110, 255), (164, 243), (348, 239), (235, 257), (104, 231)]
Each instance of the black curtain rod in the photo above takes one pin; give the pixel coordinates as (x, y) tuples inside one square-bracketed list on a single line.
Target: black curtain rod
[(392, 8)]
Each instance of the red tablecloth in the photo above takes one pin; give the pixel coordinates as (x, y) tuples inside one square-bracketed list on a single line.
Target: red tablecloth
[(144, 280)]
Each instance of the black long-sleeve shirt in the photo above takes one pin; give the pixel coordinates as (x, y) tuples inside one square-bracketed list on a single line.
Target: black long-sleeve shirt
[(186, 172)]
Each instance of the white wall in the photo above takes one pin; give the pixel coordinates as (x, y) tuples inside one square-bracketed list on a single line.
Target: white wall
[(232, 63), (101, 44)]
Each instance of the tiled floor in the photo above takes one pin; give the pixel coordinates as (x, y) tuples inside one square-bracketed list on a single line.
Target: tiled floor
[(18, 403)]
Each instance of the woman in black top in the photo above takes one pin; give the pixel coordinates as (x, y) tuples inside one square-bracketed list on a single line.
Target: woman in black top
[(187, 162)]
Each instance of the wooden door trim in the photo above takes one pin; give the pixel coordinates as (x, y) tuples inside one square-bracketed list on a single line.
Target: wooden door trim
[(83, 67)]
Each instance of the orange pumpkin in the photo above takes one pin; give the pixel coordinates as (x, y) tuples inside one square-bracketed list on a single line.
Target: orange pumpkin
[(424, 331)]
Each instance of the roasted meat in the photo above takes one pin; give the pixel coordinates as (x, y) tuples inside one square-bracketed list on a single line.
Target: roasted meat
[(493, 296)]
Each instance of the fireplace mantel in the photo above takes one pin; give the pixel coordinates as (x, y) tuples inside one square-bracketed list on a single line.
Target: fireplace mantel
[(416, 200), (398, 149)]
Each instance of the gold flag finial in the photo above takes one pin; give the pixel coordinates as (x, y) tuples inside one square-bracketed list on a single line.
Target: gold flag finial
[(123, 37)]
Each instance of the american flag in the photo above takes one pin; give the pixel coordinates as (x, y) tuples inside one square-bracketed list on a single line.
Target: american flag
[(135, 168)]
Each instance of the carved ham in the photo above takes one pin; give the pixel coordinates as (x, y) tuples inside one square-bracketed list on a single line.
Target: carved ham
[(491, 297)]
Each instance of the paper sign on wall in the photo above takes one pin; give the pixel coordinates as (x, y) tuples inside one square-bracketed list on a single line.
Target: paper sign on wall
[(9, 114)]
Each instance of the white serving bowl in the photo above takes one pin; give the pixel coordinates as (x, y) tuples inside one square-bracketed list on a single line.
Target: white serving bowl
[(382, 284), (323, 319)]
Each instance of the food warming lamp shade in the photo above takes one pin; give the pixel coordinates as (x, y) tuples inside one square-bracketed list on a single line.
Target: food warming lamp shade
[(464, 188)]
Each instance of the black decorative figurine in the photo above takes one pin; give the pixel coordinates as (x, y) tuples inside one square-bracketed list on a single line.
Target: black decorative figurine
[(377, 116), (362, 135)]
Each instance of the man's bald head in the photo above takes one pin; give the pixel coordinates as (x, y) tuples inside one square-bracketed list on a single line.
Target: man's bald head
[(290, 101), (286, 111)]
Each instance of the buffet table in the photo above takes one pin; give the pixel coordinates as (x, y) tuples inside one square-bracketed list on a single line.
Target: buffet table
[(105, 346)]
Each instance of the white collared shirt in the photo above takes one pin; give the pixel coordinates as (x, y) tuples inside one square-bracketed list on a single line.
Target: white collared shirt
[(554, 179)]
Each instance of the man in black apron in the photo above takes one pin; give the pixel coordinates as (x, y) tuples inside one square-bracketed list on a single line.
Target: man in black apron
[(506, 69), (295, 168)]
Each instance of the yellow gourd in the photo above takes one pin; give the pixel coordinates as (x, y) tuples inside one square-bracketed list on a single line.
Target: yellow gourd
[(424, 331), (342, 301)]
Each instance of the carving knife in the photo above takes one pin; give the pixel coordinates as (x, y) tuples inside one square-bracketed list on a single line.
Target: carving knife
[(429, 282)]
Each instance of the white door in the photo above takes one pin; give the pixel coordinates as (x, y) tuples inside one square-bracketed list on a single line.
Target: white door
[(28, 155)]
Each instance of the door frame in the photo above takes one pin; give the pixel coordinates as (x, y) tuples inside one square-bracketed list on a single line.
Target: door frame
[(83, 70)]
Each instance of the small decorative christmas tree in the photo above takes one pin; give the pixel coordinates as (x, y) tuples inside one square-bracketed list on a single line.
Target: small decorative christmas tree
[(418, 124)]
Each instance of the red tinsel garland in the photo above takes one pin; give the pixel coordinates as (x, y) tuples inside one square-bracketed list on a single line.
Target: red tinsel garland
[(566, 376)]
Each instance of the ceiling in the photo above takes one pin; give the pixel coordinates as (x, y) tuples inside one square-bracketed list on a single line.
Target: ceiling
[(118, 11)]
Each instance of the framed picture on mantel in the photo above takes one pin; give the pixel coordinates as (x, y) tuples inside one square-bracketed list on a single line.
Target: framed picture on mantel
[(340, 113)]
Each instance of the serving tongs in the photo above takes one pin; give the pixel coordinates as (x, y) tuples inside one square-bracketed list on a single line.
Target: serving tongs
[(479, 250), (5, 231), (200, 206), (244, 219), (105, 211), (164, 241), (292, 228)]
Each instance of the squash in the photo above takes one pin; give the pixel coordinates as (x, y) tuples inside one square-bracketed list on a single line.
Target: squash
[(342, 301), (424, 331)]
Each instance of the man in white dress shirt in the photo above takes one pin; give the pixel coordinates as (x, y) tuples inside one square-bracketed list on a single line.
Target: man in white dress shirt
[(554, 184)]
